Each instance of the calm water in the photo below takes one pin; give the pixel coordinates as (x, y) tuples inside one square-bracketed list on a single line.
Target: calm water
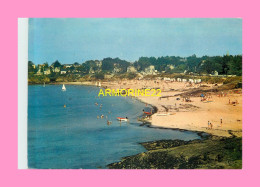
[(73, 137)]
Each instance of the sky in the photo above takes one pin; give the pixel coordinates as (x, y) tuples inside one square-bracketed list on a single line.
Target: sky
[(72, 40)]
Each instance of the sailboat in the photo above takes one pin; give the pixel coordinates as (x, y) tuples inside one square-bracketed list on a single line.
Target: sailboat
[(63, 88), (122, 119)]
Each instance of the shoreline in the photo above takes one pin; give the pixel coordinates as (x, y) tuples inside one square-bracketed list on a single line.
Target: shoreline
[(185, 116), (213, 152), (211, 138)]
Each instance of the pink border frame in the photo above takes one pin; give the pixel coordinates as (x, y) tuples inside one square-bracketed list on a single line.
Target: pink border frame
[(11, 10)]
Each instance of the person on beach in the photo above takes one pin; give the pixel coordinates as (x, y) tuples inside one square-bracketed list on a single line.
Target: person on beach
[(211, 125), (221, 122), (208, 124)]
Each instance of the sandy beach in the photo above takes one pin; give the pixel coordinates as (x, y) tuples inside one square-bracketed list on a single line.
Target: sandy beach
[(175, 112)]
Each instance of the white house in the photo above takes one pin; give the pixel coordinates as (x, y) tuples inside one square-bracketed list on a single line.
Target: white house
[(57, 69), (150, 70), (178, 79), (68, 65), (131, 69), (191, 80), (167, 79), (47, 71)]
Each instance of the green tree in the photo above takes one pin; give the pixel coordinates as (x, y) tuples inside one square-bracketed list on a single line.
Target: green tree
[(99, 75), (31, 67), (235, 65), (56, 64), (46, 65)]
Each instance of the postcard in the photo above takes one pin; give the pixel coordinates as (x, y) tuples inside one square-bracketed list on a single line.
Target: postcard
[(134, 93)]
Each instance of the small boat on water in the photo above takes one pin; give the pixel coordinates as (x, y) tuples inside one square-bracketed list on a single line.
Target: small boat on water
[(122, 119), (63, 88), (148, 113)]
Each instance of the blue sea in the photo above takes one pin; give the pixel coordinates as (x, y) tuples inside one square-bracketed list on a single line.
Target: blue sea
[(72, 137)]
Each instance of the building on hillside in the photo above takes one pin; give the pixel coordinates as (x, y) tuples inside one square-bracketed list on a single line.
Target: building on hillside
[(215, 73), (47, 71), (131, 69), (116, 69), (63, 71), (76, 65), (202, 62), (56, 69), (169, 67), (150, 70), (39, 72), (91, 70), (40, 69), (67, 65), (98, 63)]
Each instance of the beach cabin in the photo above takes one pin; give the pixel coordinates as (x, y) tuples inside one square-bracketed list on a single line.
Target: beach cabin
[(63, 71), (191, 80), (166, 79)]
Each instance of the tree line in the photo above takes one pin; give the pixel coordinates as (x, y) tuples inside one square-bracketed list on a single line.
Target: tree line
[(224, 65)]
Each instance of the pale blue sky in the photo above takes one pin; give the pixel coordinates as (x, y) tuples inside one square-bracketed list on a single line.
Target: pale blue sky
[(77, 40)]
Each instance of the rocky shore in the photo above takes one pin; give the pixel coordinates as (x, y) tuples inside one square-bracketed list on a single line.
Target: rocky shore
[(213, 152)]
